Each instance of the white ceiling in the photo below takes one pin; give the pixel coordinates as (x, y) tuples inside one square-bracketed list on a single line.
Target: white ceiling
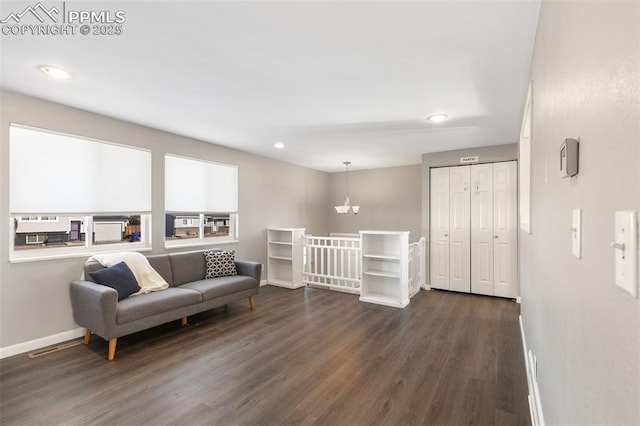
[(334, 81)]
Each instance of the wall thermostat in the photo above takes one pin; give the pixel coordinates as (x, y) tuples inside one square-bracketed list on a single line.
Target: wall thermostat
[(569, 158)]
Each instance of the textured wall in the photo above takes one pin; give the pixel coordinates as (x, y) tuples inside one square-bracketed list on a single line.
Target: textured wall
[(584, 330), (34, 296), (389, 199)]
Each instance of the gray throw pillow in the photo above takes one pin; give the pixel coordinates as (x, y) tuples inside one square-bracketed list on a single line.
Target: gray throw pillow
[(118, 276), (220, 263)]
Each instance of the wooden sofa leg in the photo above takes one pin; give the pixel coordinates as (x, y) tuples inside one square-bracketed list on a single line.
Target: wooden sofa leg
[(87, 336), (183, 320), (251, 303), (112, 348)]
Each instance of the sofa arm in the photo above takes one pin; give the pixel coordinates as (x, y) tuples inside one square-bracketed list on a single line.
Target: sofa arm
[(94, 307), (249, 269)]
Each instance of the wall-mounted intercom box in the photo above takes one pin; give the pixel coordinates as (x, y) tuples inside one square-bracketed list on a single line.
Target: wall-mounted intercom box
[(569, 158)]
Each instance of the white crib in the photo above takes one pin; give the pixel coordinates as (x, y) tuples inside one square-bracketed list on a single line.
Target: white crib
[(335, 263)]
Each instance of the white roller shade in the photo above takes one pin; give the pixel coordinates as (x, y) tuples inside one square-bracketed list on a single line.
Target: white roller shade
[(57, 173), (200, 186)]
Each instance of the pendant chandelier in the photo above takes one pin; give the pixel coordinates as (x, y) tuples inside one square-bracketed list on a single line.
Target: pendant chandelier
[(346, 207)]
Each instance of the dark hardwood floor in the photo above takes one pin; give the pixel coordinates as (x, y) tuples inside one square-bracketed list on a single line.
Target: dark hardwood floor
[(303, 356)]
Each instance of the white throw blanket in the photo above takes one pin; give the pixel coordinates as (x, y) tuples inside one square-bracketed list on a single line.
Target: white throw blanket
[(148, 278)]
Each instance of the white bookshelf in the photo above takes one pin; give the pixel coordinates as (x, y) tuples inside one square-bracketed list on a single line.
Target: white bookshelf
[(284, 257), (385, 268)]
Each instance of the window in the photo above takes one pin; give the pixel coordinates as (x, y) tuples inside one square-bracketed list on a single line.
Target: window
[(193, 190), (201, 227), (182, 226), (70, 232), (188, 221), (77, 196), (36, 239), (116, 229), (44, 233), (216, 226), (39, 219)]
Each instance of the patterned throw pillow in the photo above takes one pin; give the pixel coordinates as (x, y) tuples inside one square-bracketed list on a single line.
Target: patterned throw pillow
[(220, 263)]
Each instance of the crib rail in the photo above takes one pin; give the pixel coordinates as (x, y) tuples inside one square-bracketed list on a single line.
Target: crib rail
[(332, 262)]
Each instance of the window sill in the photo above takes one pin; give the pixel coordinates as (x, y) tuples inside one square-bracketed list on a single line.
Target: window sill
[(74, 254)]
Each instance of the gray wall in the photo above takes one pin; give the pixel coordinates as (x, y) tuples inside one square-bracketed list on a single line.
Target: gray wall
[(584, 330), (389, 200), (486, 154), (34, 296)]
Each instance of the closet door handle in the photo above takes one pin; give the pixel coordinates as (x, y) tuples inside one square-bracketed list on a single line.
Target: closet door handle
[(446, 235), (495, 236)]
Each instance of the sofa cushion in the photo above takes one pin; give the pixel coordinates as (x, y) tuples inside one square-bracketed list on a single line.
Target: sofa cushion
[(118, 276), (220, 263), (187, 267), (146, 305), (89, 267), (222, 286), (162, 265)]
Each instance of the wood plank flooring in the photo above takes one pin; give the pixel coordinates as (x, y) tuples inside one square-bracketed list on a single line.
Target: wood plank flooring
[(302, 357)]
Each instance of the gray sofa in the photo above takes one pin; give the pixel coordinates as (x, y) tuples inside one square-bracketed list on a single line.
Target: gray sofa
[(96, 307)]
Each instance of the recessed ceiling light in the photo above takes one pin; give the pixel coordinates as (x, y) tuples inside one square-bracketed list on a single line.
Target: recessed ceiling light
[(55, 72), (279, 145), (437, 118)]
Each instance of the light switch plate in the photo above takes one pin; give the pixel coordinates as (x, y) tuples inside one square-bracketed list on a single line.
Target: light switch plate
[(576, 233), (626, 251)]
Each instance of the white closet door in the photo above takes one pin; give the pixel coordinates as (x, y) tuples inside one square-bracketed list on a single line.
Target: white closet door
[(459, 227), (439, 246), (505, 216), (482, 229)]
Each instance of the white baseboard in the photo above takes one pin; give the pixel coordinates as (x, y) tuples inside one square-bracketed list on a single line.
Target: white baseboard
[(42, 342), (535, 406), (263, 283)]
